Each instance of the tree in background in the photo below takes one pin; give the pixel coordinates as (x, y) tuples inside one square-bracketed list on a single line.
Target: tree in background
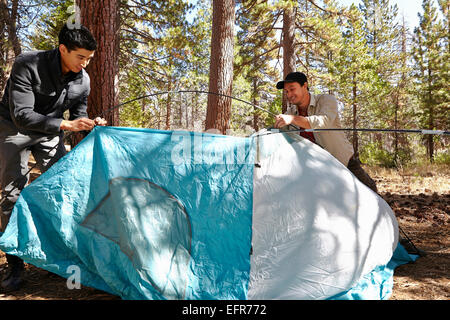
[(354, 70), (55, 15), (256, 50), (288, 41), (401, 100), (321, 40), (429, 73), (10, 46), (384, 40), (221, 65), (161, 50), (444, 72), (359, 54), (101, 17)]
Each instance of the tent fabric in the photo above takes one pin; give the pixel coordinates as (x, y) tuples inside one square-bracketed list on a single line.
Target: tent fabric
[(137, 221), (317, 228), (378, 284), (150, 214)]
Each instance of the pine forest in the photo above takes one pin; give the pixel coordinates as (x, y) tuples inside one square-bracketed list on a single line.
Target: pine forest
[(205, 65)]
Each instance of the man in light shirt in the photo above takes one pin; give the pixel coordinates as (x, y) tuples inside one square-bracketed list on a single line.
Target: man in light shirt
[(310, 111)]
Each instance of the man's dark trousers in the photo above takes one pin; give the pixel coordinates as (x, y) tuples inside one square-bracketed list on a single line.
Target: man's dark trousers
[(354, 165), (15, 150)]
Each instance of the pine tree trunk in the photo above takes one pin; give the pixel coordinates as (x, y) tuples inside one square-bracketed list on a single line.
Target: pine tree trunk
[(169, 105), (400, 91), (12, 29), (396, 106), (255, 102), (430, 116), (330, 58), (288, 47), (10, 46), (194, 111), (4, 51), (355, 134), (221, 65), (101, 17)]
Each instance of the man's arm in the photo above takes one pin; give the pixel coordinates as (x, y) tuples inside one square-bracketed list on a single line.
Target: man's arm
[(22, 100), (78, 113), (78, 120), (81, 124), (326, 113)]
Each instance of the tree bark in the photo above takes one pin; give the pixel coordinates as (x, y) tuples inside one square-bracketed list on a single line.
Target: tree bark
[(400, 91), (355, 134), (10, 46), (221, 65), (288, 47), (12, 28), (101, 17), (430, 102), (255, 102), (169, 104)]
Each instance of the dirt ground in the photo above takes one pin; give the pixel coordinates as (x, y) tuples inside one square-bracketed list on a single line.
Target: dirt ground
[(420, 198)]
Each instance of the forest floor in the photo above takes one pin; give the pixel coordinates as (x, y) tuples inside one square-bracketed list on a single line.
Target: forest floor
[(420, 198)]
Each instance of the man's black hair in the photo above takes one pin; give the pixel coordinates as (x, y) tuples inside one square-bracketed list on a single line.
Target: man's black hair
[(77, 38), (293, 77)]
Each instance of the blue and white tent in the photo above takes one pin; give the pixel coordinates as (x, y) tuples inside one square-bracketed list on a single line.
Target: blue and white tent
[(149, 214)]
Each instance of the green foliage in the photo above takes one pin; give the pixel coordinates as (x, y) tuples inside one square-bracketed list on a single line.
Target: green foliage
[(374, 154), (162, 50), (361, 54), (430, 53), (50, 23), (442, 158), (256, 47)]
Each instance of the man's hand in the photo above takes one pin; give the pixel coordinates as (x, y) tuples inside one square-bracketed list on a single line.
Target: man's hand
[(100, 121), (282, 120), (81, 124)]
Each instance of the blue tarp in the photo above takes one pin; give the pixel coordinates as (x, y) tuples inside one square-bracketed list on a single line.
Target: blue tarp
[(149, 214), (138, 224)]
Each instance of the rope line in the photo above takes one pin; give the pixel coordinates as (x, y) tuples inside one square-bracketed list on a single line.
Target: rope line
[(422, 131)]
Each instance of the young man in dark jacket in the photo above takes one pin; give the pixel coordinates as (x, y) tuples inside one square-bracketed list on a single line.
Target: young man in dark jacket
[(41, 87)]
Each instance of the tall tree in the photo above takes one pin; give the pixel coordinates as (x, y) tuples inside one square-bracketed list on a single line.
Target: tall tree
[(169, 48), (289, 64), (444, 72), (319, 35), (52, 19), (428, 56), (221, 65), (354, 70), (257, 49), (383, 34), (10, 46), (102, 18), (400, 97)]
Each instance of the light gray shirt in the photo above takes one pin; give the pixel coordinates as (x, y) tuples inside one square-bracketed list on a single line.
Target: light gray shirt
[(323, 114)]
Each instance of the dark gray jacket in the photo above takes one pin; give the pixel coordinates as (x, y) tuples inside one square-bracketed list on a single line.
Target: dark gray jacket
[(37, 94)]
